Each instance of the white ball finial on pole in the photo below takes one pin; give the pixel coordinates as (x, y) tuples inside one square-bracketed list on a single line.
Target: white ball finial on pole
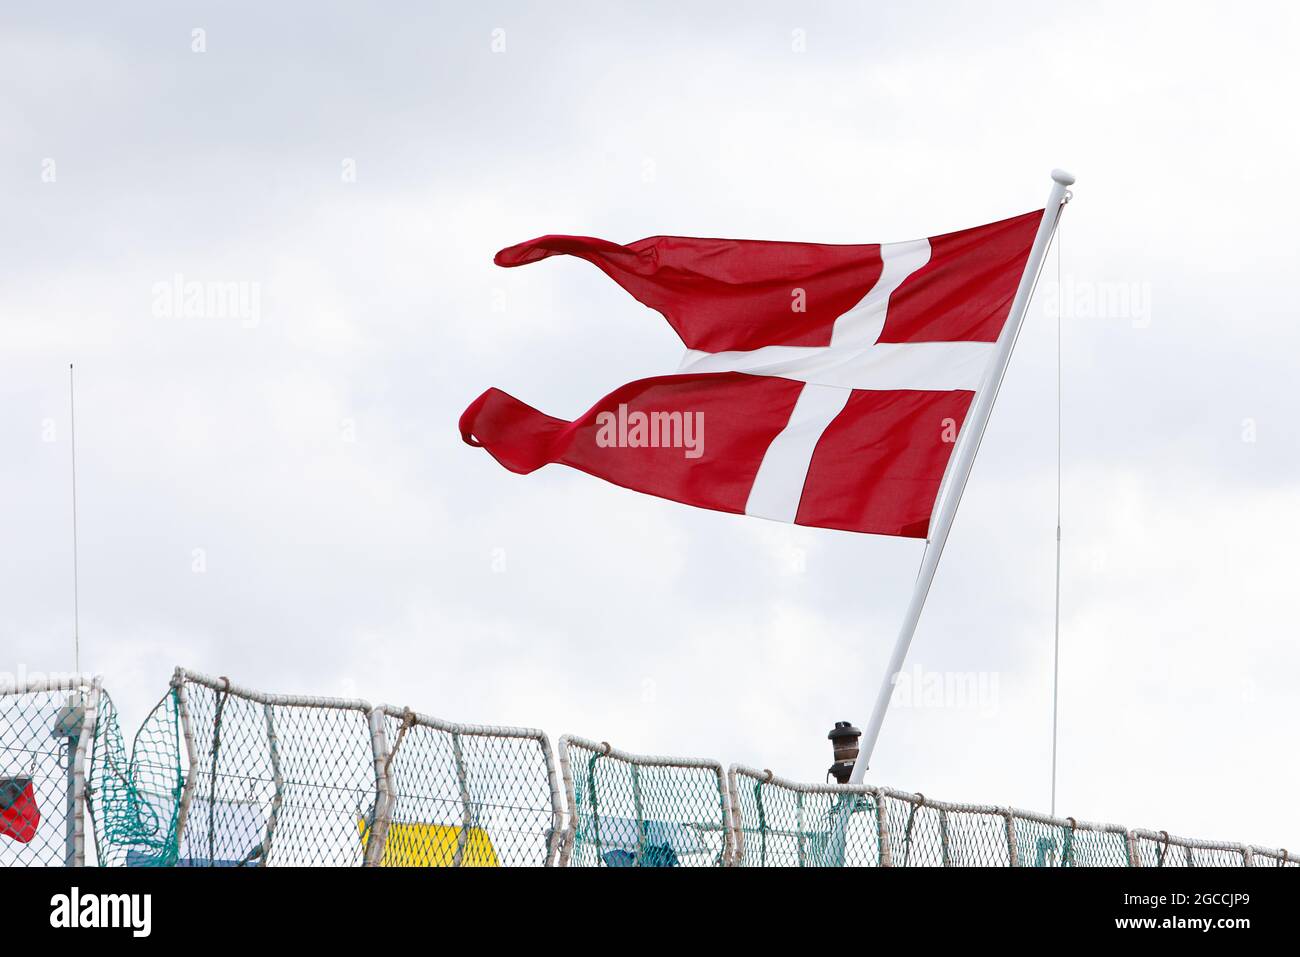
[(1062, 177)]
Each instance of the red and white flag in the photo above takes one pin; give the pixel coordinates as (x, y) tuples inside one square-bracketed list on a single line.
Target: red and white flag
[(822, 385)]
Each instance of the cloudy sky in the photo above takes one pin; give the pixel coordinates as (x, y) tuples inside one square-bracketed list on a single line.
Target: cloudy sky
[(279, 493)]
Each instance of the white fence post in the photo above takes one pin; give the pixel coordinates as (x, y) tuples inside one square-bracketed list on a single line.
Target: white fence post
[(191, 772), (382, 816), (277, 800), (556, 842), (89, 714), (737, 831), (466, 805), (884, 849), (1013, 855), (728, 816), (571, 806)]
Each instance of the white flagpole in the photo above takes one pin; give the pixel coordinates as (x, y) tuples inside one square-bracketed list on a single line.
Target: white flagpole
[(959, 467)]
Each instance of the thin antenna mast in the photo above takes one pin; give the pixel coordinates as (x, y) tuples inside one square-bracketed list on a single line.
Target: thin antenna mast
[(76, 609)]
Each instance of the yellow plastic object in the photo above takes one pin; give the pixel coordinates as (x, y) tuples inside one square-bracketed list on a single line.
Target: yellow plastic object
[(433, 845)]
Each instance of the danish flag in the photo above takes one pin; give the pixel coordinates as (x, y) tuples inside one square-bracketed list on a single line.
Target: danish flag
[(824, 385)]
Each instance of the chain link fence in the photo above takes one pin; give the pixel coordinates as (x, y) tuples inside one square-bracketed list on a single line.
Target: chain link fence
[(1040, 840), (780, 823), (468, 795), (785, 823), (46, 724), (1161, 849), (632, 810), (272, 779), (928, 833), (220, 775)]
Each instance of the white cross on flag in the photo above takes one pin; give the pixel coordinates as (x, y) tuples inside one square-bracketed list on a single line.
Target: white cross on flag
[(822, 385)]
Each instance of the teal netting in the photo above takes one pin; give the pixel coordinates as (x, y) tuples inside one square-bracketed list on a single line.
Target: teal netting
[(133, 799)]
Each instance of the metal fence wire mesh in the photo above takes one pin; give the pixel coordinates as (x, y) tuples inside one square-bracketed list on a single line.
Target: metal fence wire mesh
[(273, 779), (785, 823), (781, 823), (44, 729), (628, 810), (1043, 841), (932, 834), (1160, 849), (225, 776), (469, 796)]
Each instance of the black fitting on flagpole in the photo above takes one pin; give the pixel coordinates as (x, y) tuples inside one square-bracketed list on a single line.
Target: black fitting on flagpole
[(844, 740)]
